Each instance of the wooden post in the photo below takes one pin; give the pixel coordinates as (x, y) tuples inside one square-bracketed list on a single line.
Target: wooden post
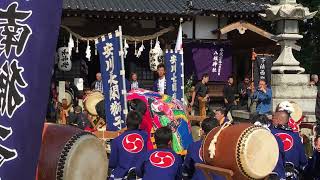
[(61, 91), (208, 170), (62, 95), (79, 84), (202, 107)]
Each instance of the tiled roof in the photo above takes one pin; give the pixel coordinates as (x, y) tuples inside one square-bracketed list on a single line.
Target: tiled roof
[(230, 5), (165, 6)]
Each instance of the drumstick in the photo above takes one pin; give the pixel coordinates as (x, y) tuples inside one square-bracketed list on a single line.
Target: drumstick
[(100, 122)]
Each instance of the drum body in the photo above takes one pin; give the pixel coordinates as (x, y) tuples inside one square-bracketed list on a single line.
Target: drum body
[(68, 153), (91, 101), (251, 152)]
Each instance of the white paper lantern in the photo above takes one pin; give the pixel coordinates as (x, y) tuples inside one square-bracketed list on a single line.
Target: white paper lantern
[(155, 56), (88, 51), (64, 63), (140, 50), (70, 44)]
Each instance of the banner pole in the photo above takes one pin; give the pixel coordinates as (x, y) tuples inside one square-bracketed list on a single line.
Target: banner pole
[(253, 58), (182, 75), (124, 90)]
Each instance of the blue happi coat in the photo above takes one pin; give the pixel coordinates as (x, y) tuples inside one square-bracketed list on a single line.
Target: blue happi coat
[(312, 171), (125, 150), (279, 170), (292, 146), (159, 164), (194, 156)]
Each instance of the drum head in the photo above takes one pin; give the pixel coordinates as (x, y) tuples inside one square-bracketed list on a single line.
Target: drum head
[(86, 159), (69, 97), (258, 152), (91, 101), (195, 130), (297, 113)]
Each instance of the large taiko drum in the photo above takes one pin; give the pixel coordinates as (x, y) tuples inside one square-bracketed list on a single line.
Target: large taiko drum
[(296, 115), (91, 101), (68, 153), (69, 97), (251, 152)]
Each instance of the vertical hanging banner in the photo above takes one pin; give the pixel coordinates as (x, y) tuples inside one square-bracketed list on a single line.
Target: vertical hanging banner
[(113, 77), (28, 37), (174, 74), (221, 63), (216, 60), (262, 69)]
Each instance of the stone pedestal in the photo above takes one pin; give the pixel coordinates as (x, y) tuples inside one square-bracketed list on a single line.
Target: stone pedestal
[(286, 62), (294, 87)]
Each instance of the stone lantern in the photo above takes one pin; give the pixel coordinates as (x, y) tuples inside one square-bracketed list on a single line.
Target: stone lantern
[(287, 14), (288, 82)]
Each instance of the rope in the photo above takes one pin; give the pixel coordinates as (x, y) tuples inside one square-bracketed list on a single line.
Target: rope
[(212, 146), (128, 38)]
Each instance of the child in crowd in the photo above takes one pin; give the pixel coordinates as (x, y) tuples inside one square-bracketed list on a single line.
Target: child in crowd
[(161, 163), (194, 156), (312, 171), (79, 119), (126, 148)]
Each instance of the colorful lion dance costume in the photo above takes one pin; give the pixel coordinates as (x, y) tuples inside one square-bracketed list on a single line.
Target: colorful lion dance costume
[(163, 110)]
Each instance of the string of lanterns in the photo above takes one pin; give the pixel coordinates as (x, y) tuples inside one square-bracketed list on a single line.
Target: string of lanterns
[(155, 54), (127, 40)]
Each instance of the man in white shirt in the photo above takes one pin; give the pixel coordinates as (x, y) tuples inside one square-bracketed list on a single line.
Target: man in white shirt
[(97, 85), (134, 83), (160, 84)]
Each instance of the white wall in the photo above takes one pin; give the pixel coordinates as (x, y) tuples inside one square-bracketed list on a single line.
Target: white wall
[(204, 25)]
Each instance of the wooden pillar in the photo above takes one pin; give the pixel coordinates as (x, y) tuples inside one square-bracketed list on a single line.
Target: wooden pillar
[(202, 107), (61, 91)]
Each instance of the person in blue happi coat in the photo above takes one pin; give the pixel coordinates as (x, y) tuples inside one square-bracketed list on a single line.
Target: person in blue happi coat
[(194, 156), (161, 163), (220, 115), (160, 84), (126, 148), (279, 171), (295, 157), (312, 171), (134, 82)]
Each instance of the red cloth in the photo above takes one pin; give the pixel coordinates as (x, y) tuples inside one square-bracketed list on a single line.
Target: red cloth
[(88, 129), (295, 125)]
